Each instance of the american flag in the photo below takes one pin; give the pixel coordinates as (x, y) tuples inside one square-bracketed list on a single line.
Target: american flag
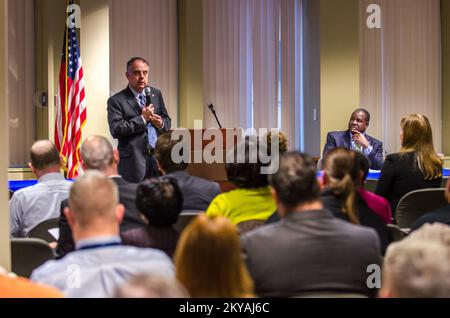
[(71, 108)]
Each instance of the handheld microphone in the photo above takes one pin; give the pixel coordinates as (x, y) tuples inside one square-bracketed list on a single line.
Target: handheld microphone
[(148, 94)]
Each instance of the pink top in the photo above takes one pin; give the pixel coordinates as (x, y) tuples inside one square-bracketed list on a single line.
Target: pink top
[(378, 204)]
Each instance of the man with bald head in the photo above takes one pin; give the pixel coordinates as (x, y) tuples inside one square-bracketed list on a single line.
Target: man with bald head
[(32, 205), (100, 262), (97, 153)]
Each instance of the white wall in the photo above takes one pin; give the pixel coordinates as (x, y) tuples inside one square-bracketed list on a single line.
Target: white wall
[(94, 44)]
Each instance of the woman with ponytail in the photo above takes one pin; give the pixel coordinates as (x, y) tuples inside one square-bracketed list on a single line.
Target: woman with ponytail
[(339, 189), (340, 196)]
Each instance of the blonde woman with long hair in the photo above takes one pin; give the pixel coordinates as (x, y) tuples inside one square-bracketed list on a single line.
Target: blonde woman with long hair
[(416, 166), (208, 260)]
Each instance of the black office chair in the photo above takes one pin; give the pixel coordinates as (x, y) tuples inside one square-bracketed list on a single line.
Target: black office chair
[(27, 254), (397, 234), (41, 231), (185, 217), (416, 203)]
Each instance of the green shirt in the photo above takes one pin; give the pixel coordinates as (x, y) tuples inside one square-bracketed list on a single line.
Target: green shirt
[(243, 205)]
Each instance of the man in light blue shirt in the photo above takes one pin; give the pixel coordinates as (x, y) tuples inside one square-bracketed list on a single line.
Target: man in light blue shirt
[(100, 264), (32, 205)]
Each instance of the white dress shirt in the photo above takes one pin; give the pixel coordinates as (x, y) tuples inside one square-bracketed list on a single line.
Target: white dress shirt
[(31, 206)]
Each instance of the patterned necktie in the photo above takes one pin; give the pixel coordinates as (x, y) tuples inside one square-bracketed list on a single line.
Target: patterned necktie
[(357, 147), (151, 131)]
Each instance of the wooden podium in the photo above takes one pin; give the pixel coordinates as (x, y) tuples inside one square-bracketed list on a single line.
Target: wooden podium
[(211, 171)]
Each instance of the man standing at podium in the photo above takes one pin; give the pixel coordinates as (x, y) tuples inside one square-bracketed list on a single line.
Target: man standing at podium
[(355, 138), (136, 117)]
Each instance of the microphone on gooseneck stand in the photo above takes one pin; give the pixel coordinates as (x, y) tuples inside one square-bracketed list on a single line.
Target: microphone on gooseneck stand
[(148, 94), (211, 108)]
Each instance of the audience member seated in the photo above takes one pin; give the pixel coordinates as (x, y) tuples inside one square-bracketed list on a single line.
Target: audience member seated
[(441, 215), (197, 192), (282, 141), (339, 195), (309, 250), (208, 260), (97, 153), (419, 265), (377, 204), (19, 287), (416, 166), (33, 205), (355, 138), (252, 200), (283, 147), (160, 201), (151, 286), (100, 263)]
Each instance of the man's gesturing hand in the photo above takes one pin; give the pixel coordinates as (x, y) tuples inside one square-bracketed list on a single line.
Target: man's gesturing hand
[(149, 115), (359, 138)]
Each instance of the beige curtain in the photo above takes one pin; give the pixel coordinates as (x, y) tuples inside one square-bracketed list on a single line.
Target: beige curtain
[(21, 76), (401, 67), (242, 42), (227, 62), (146, 28), (266, 37), (291, 71)]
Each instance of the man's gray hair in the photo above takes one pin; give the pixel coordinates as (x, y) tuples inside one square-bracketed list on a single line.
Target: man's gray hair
[(419, 266), (97, 153)]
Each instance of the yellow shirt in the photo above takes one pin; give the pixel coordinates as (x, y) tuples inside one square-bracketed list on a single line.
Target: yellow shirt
[(243, 205)]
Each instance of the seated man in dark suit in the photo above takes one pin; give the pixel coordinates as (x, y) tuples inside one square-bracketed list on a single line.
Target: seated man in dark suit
[(355, 138), (309, 250), (441, 215), (197, 192), (97, 153)]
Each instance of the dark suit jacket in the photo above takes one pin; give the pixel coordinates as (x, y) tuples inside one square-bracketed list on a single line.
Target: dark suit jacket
[(164, 239), (310, 251), (441, 215), (341, 139), (197, 192), (126, 125), (400, 175), (131, 219), (367, 217)]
